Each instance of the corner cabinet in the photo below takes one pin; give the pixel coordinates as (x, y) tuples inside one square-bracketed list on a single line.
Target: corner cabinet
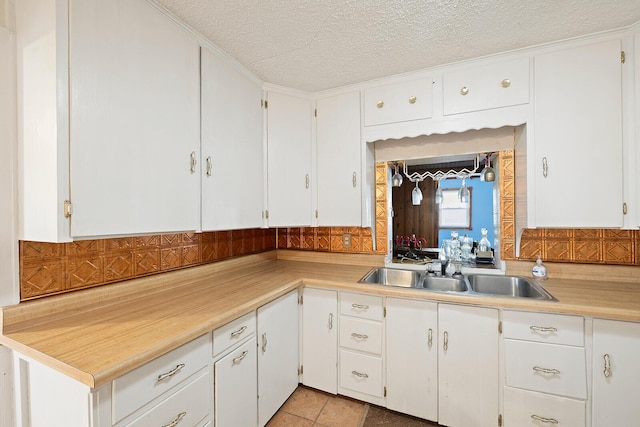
[(577, 158), (289, 176), (232, 146), (616, 375), (339, 160), (109, 116)]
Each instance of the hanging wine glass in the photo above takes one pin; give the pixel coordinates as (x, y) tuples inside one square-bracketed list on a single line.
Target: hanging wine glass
[(396, 179), (438, 194), (416, 195), (487, 174), (463, 193)]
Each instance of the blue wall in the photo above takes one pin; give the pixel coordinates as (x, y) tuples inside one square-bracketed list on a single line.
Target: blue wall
[(481, 209)]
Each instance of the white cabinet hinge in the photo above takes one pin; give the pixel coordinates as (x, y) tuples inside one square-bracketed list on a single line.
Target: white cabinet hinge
[(265, 214), (315, 112), (624, 208), (384, 311), (623, 57), (264, 103), (385, 391), (500, 420), (300, 300), (68, 209), (316, 213), (300, 370), (500, 327)]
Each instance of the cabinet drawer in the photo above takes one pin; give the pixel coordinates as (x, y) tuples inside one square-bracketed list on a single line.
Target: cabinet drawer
[(361, 373), (233, 332), (188, 406), (399, 102), (547, 368), (133, 390), (361, 334), (361, 305), (527, 408), (484, 87), (543, 327)]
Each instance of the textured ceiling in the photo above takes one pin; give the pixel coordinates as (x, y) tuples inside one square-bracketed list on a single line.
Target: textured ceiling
[(320, 44)]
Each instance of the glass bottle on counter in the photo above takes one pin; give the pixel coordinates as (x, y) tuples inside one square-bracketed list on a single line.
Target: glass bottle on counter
[(484, 245)]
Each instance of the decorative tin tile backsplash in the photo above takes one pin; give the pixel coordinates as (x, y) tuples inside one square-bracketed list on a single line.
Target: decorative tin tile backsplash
[(51, 268)]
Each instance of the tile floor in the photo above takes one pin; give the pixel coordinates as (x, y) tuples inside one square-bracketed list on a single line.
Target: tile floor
[(312, 408)]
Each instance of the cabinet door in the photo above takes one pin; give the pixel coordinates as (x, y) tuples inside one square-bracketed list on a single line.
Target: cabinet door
[(278, 350), (134, 120), (289, 174), (320, 339), (616, 375), (338, 157), (412, 357), (468, 387), (232, 151), (236, 387), (578, 137)]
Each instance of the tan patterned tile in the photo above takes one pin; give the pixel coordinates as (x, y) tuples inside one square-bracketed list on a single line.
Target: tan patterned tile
[(152, 240), (85, 271), (209, 251), (557, 233), (558, 250), (618, 252), (84, 247), (507, 250), (42, 278), (118, 266), (190, 255), (192, 238), (530, 249), (170, 239), (170, 258), (40, 250), (146, 261), (587, 233), (588, 251), (341, 412), (119, 244), (224, 244)]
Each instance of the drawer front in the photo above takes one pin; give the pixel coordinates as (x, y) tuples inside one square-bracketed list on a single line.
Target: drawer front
[(233, 332), (133, 390), (490, 86), (361, 305), (361, 373), (547, 368), (399, 102), (543, 327), (527, 408), (361, 334), (189, 406)]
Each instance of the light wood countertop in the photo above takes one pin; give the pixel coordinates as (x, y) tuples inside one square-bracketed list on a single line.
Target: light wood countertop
[(98, 334)]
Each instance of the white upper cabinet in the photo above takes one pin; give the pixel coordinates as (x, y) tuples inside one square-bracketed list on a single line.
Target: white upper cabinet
[(339, 160), (483, 87), (289, 154), (398, 102), (135, 131), (109, 119), (577, 158), (232, 146)]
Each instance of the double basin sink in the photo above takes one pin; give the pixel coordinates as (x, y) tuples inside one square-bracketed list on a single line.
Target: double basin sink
[(473, 284)]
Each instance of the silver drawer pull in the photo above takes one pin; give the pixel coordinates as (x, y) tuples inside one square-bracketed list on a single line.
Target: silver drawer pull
[(264, 342), (171, 372), (360, 336), (546, 370), (330, 321), (549, 329), (445, 341), (544, 420), (238, 359), (359, 374), (238, 332), (607, 366), (177, 420), (360, 306)]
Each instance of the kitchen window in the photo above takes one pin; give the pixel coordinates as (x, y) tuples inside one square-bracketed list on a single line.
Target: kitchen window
[(452, 212)]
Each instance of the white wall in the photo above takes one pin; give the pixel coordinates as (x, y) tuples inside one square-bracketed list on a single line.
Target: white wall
[(9, 293)]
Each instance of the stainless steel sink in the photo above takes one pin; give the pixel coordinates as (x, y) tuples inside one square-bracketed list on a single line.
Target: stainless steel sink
[(446, 284), (511, 286), (393, 277)]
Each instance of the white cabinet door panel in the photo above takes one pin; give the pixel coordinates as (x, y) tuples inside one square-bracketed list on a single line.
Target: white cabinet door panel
[(320, 339), (361, 335), (135, 119), (232, 147)]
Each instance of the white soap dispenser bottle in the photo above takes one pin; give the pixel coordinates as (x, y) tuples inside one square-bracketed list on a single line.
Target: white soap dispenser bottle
[(539, 270)]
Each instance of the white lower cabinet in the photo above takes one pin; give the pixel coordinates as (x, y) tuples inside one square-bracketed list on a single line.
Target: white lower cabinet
[(527, 408), (236, 387), (468, 366), (278, 349), (412, 357), (616, 374), (320, 339)]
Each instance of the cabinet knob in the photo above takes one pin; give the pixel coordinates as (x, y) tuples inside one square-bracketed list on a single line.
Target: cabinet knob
[(464, 90), (412, 100), (380, 104), (505, 83)]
